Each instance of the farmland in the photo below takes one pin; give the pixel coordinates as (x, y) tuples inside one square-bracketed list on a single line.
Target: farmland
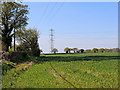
[(87, 70)]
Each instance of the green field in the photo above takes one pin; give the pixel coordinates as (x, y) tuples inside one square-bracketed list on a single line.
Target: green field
[(92, 70)]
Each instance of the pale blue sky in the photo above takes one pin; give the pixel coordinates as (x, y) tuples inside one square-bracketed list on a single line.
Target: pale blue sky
[(76, 24)]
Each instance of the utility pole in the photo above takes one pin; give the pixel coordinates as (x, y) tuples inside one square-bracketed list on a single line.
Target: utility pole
[(14, 35), (51, 39)]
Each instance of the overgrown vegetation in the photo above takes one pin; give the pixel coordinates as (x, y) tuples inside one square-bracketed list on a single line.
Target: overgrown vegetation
[(7, 66)]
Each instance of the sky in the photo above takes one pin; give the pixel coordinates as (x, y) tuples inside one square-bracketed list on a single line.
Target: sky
[(82, 25), (70, 0)]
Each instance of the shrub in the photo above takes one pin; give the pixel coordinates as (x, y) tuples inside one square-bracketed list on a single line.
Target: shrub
[(7, 66), (18, 56)]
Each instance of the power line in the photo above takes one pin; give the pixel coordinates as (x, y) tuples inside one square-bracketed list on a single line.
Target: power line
[(57, 10), (51, 39), (44, 12), (49, 12), (55, 13), (51, 36), (52, 13)]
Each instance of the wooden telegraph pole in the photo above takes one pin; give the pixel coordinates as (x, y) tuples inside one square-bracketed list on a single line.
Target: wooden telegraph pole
[(14, 36)]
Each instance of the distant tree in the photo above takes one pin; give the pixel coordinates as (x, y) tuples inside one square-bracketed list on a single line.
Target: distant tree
[(13, 15), (28, 40), (95, 50), (54, 50), (110, 50), (78, 51), (67, 50), (106, 50), (101, 50), (115, 49), (81, 50), (75, 50), (88, 50), (71, 49)]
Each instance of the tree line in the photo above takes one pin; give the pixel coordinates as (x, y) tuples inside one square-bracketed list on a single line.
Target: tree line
[(94, 50), (76, 50)]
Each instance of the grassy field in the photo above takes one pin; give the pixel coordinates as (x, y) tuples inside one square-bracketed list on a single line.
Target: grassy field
[(92, 70)]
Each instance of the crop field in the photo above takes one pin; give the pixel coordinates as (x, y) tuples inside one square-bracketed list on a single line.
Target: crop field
[(87, 70)]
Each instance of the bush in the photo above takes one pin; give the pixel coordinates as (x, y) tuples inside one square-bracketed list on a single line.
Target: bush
[(36, 52), (7, 66), (18, 56)]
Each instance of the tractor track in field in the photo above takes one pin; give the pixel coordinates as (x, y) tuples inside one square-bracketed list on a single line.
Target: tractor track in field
[(62, 76)]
